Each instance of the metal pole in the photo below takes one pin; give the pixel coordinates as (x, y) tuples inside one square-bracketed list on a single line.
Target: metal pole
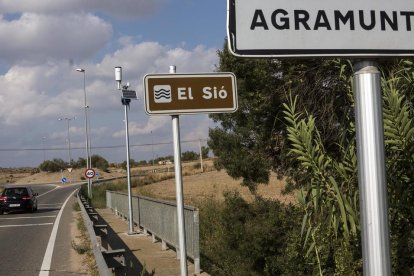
[(371, 170), (179, 189), (87, 146), (86, 132), (125, 102), (89, 154), (152, 145), (201, 156), (70, 154), (44, 151)]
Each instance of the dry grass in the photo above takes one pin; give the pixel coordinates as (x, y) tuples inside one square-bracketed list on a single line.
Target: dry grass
[(82, 245), (212, 184)]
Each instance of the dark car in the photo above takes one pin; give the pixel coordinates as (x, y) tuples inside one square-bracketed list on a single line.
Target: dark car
[(19, 198)]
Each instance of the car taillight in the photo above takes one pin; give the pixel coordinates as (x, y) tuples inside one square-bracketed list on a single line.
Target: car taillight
[(26, 197), (3, 198)]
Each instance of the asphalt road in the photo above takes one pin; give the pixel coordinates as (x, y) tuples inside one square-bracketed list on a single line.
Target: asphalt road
[(32, 243)]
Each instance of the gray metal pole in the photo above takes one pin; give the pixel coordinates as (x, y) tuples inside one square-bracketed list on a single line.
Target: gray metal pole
[(201, 156), (69, 149), (86, 133), (44, 151), (130, 220), (179, 189), (371, 170), (89, 154)]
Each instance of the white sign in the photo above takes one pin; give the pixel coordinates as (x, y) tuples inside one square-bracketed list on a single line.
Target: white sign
[(300, 28), (90, 173)]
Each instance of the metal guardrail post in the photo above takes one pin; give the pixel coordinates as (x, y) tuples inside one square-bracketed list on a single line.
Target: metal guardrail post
[(196, 242)]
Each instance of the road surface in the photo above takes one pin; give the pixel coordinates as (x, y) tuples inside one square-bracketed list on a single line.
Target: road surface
[(39, 243)]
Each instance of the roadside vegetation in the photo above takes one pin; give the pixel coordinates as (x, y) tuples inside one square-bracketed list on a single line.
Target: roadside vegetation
[(82, 245), (296, 119)]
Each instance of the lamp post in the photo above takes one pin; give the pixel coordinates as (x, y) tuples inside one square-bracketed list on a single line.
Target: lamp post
[(68, 124), (88, 160), (152, 145), (43, 147)]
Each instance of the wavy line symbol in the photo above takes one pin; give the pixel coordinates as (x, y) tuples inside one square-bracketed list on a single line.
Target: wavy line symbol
[(162, 93)]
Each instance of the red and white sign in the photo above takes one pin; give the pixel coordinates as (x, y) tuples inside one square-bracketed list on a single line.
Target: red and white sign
[(90, 173)]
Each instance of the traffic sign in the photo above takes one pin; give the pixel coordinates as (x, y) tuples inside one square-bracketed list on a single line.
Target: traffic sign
[(129, 94), (304, 28), (175, 94), (90, 173), (63, 180)]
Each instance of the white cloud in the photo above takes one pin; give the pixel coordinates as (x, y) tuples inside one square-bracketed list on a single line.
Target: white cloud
[(41, 37), (117, 8), (153, 124), (33, 96)]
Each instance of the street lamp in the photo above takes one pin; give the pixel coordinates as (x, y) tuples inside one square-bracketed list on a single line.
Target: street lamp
[(152, 145), (43, 146), (69, 150), (88, 155)]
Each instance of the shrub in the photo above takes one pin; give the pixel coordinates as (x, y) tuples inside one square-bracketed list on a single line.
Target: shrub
[(54, 165), (258, 238)]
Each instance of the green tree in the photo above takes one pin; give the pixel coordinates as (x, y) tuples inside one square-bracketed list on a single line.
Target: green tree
[(99, 162), (205, 151), (189, 156), (55, 165), (296, 118), (256, 133)]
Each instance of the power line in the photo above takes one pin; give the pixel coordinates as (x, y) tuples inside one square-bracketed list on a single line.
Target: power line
[(97, 147)]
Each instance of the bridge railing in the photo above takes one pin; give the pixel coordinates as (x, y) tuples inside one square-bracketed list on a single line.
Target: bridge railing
[(159, 217)]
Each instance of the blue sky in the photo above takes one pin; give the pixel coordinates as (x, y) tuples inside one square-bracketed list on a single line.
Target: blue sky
[(44, 41)]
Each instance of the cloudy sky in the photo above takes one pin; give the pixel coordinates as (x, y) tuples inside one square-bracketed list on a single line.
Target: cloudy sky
[(44, 41)]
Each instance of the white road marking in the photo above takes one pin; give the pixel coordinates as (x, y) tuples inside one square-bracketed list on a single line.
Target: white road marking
[(19, 225), (28, 217), (56, 187), (47, 259)]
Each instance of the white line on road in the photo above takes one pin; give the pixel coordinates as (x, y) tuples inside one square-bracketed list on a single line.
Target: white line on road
[(28, 217), (19, 225), (48, 191), (47, 259)]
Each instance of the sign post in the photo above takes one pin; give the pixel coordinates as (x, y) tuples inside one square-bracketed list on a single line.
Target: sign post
[(177, 94), (333, 28), (127, 96)]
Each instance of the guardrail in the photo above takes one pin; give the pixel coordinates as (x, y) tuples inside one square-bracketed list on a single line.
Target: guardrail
[(106, 259), (159, 217)]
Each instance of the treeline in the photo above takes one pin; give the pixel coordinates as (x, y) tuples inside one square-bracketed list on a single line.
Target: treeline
[(56, 164)]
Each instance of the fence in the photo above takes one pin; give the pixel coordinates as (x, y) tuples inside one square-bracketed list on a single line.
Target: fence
[(159, 217), (106, 260)]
